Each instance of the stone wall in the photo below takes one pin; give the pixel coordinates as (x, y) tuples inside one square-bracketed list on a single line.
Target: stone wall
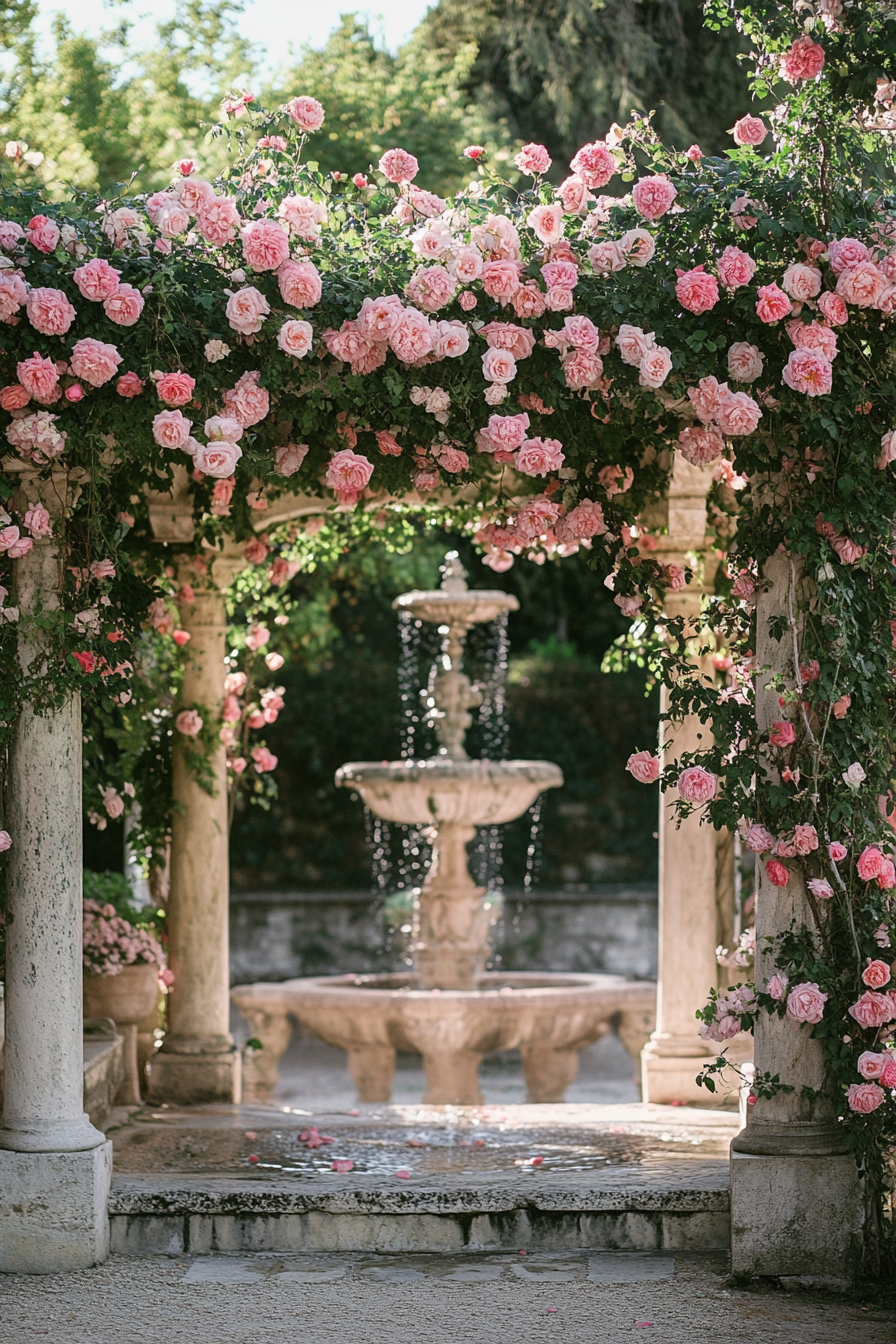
[(281, 935)]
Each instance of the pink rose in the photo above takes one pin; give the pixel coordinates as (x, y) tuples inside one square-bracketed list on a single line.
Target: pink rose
[(801, 282), (348, 473), (294, 338), (124, 305), (655, 367), (574, 195), (378, 318), (849, 552), (813, 336), (474, 152), (289, 457), (10, 235), (744, 362), (594, 164), (758, 839), (864, 1097), (96, 279), (39, 377), (582, 370), (696, 785), (171, 429), (246, 310), (94, 362), (833, 308), (37, 521), (773, 304), (451, 340), (307, 113), (12, 295), (783, 734), (546, 222), (300, 284), (501, 280), (430, 288), (777, 987), (264, 760), (452, 459), (606, 257), (876, 974), (223, 427), (805, 839), (821, 888), (217, 458), (5, 841), (172, 220), (265, 245), (873, 1010), (411, 337), (736, 268), (615, 480), (738, 414), (869, 863), (836, 852), (129, 385), (304, 216), (845, 253), (42, 233), (387, 443), (533, 159), (14, 397), (247, 402), (749, 131), (699, 446), (498, 366), (804, 60), (637, 247), (871, 1065), (528, 301), (217, 220), (175, 389), (808, 371), (188, 722), (49, 311), (652, 196), (537, 457), (505, 432), (886, 878), (192, 191), (585, 520), (397, 165), (360, 181), (560, 275), (634, 344), (696, 291), (777, 873), (862, 285), (805, 1003), (508, 336), (644, 767)]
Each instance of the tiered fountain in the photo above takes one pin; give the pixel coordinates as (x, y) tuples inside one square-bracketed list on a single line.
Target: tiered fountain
[(449, 1008)]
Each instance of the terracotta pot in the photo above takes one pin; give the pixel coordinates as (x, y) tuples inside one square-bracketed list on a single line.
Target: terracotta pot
[(127, 998)]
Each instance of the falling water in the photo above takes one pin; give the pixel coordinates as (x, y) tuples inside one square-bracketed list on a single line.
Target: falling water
[(535, 845)]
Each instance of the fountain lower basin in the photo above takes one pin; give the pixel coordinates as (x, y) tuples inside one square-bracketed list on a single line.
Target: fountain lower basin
[(549, 1018)]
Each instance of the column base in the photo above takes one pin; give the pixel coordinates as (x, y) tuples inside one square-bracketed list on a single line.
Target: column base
[(797, 1217), (195, 1079), (669, 1070), (53, 1210)]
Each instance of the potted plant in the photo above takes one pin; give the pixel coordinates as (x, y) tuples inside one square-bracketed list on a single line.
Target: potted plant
[(124, 973)]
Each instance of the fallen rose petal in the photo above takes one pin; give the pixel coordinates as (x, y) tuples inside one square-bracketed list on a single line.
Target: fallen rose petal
[(250, 1134), (343, 1164), (403, 1175), (253, 1158), (416, 1143)]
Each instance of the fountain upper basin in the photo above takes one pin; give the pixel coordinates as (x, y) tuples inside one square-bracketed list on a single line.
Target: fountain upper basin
[(468, 793)]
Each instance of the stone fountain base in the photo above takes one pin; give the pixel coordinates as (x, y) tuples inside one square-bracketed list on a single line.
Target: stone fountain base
[(549, 1018)]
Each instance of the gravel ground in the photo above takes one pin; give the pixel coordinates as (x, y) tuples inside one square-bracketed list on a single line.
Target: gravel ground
[(147, 1301)]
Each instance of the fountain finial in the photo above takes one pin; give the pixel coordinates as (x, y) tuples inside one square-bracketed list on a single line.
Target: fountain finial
[(454, 576)]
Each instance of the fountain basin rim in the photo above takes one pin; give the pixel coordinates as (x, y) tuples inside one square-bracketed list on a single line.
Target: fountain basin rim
[(472, 606), (526, 987), (443, 770)]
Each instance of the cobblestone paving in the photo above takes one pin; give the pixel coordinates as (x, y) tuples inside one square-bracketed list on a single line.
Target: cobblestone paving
[(594, 1297)]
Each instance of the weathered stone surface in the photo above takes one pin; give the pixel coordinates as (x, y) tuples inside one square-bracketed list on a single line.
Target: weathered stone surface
[(53, 1210), (103, 1072)]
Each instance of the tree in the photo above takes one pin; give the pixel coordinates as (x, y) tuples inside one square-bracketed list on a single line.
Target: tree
[(560, 72)]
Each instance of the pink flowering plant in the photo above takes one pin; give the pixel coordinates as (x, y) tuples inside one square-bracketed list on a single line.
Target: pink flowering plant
[(541, 358), (112, 942)]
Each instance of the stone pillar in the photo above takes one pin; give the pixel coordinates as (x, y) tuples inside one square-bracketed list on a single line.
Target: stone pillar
[(796, 1197), (55, 1168), (198, 1061), (688, 907)]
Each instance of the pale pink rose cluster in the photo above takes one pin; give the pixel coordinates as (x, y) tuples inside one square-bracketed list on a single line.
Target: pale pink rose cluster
[(385, 324), (578, 341), (722, 413), (697, 785), (348, 473), (13, 294), (731, 1007), (541, 522), (101, 283), (644, 767), (804, 60), (874, 1009), (639, 348), (303, 216), (36, 436)]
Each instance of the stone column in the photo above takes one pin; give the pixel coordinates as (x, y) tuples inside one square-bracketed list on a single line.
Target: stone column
[(796, 1197), (198, 1061), (688, 907), (55, 1168)]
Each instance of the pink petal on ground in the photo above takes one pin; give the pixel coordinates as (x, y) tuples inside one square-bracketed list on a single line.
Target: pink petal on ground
[(403, 1175), (343, 1164)]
